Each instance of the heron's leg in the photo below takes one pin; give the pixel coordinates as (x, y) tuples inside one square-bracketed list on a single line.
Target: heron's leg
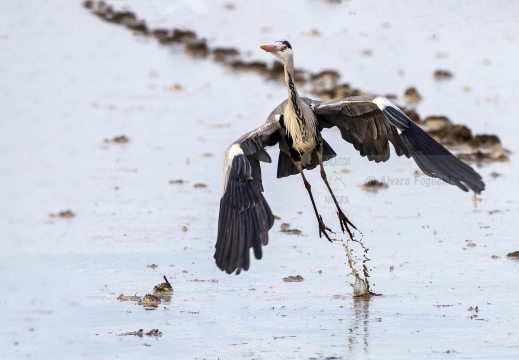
[(322, 228), (342, 218)]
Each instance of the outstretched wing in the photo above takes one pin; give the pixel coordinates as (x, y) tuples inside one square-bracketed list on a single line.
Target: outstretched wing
[(245, 217), (362, 124), (371, 122)]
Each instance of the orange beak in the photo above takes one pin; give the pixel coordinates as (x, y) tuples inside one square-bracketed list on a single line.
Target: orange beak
[(269, 48)]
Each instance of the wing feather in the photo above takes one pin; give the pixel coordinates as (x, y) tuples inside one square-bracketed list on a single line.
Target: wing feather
[(362, 124), (371, 122), (432, 158), (245, 217)]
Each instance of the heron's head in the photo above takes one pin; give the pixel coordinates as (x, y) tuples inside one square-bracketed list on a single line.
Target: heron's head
[(280, 49)]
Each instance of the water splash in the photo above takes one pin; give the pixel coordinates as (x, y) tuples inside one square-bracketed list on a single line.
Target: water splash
[(361, 286)]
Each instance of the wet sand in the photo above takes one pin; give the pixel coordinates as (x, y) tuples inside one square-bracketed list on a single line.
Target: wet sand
[(72, 85)]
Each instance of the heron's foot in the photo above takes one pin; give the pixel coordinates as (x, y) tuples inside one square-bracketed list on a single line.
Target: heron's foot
[(345, 222), (323, 229)]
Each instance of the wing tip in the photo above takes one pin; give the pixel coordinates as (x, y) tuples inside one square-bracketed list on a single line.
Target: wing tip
[(242, 228)]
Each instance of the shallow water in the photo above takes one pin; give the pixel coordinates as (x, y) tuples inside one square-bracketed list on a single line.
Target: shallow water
[(70, 81)]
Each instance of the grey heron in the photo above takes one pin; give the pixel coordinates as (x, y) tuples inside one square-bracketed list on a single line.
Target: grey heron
[(369, 123)]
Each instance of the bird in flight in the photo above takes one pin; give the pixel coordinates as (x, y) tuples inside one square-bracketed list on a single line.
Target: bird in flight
[(367, 122)]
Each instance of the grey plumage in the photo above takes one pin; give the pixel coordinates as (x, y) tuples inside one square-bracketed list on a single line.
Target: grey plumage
[(362, 124), (369, 129), (369, 123), (245, 217)]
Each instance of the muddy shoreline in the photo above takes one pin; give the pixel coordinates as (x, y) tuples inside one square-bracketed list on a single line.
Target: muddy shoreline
[(326, 84)]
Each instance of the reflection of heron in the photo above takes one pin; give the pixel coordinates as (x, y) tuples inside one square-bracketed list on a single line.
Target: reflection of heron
[(367, 122), (359, 323)]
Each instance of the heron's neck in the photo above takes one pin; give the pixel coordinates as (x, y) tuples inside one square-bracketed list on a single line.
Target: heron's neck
[(293, 96), (289, 79)]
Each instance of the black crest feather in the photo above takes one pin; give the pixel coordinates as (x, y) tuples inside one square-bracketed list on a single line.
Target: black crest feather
[(284, 42)]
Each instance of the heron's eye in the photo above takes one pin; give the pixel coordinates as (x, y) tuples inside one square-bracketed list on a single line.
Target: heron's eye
[(285, 47)]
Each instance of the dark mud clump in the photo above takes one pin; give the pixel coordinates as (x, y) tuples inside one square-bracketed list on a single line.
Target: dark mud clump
[(183, 36), (123, 297), (480, 156), (122, 139), (173, 36), (162, 292), (275, 72), (136, 25), (163, 288), (254, 66), (197, 48), (337, 92), (451, 134), (285, 228), (373, 185), (149, 300), (485, 141), (513, 255), (442, 75), (224, 54), (411, 95), (123, 17), (154, 332), (326, 86), (436, 122), (65, 214), (161, 35), (470, 148), (324, 80), (292, 278), (140, 333)]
